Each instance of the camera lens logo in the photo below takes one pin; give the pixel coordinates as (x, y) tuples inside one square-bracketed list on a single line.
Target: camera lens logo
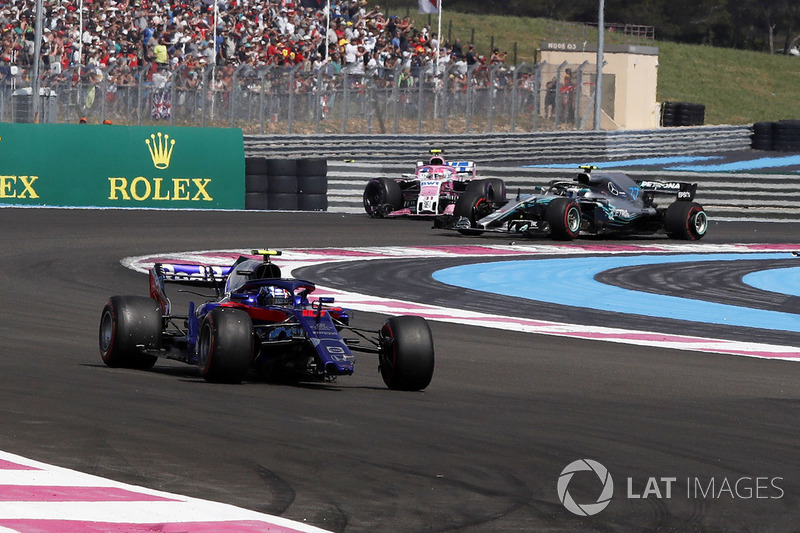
[(586, 509)]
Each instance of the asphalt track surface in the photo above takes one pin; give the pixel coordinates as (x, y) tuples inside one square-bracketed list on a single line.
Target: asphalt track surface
[(481, 449)]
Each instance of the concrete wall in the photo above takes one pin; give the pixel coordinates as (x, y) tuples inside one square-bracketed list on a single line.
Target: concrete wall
[(635, 73)]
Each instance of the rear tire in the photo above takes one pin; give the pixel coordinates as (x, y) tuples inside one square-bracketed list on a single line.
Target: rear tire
[(686, 221), (225, 345), (564, 218), (406, 356), (128, 325), (382, 192)]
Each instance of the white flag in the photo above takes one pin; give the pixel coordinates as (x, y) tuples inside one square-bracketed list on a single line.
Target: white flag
[(429, 6)]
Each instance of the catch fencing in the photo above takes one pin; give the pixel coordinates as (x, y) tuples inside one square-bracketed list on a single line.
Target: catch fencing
[(399, 99)]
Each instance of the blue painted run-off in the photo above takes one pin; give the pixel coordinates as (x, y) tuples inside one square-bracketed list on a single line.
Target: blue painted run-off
[(689, 163), (648, 161), (782, 280), (570, 281)]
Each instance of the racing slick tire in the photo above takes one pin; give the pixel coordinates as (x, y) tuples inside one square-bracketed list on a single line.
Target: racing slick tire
[(473, 205), (282, 167), (494, 189), (128, 324), (256, 183), (564, 218), (255, 165), (256, 200), (312, 167), (381, 192), (282, 201), (686, 221), (312, 184), (282, 184), (406, 355), (312, 202), (225, 345)]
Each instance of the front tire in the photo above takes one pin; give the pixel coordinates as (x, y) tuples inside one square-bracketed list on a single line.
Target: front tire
[(406, 355), (472, 205), (128, 325), (494, 189), (382, 192), (564, 218), (225, 345), (686, 221)]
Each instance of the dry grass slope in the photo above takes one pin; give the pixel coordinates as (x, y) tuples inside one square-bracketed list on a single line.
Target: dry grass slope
[(736, 86)]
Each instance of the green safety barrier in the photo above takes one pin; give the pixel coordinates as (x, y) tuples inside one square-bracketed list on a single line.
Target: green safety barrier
[(103, 165)]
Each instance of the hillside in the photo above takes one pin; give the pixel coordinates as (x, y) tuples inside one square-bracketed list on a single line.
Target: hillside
[(736, 86)]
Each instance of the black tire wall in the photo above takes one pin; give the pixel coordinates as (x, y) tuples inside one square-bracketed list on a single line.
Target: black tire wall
[(682, 114), (780, 136), (286, 184)]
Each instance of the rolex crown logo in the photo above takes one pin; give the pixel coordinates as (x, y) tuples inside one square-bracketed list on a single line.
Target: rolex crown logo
[(160, 149)]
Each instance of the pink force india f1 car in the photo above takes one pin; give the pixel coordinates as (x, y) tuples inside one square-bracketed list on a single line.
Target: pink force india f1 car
[(433, 190), (257, 322)]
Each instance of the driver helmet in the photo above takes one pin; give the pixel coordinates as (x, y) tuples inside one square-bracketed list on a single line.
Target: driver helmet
[(272, 295)]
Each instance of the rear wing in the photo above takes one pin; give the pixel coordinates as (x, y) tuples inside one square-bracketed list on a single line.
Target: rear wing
[(211, 277), (465, 169), (681, 189), (197, 275)]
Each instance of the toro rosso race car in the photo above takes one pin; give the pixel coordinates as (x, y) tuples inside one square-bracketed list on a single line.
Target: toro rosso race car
[(258, 321), (593, 203), (432, 190)]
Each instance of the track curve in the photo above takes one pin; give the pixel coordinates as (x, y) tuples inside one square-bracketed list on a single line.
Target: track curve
[(480, 450), (411, 280)]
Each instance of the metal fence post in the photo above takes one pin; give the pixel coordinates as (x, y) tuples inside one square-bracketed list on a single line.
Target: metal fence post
[(468, 97), (319, 89), (262, 81), (578, 93), (395, 99), (346, 99), (492, 74), (537, 91), (515, 96), (139, 95), (290, 111), (559, 86), (204, 82)]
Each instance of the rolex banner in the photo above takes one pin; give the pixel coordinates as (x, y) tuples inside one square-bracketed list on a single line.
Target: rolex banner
[(82, 165)]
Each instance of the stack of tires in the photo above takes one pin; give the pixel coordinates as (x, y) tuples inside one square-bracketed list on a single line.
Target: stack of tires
[(786, 136), (682, 114), (286, 184), (761, 138)]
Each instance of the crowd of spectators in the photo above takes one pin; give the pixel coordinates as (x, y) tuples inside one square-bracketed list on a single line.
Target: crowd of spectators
[(178, 36)]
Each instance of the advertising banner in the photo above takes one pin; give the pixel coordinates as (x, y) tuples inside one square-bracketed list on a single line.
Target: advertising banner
[(82, 165)]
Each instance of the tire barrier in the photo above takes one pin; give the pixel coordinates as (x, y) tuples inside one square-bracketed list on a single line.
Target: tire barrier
[(780, 136), (682, 114), (286, 184), (762, 136)]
